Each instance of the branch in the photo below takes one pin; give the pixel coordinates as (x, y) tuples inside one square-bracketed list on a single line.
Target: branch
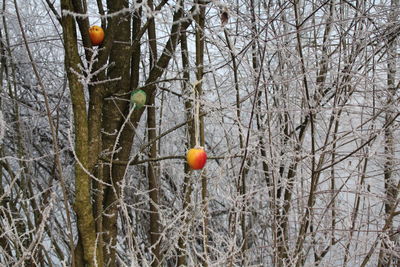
[(54, 10), (137, 162)]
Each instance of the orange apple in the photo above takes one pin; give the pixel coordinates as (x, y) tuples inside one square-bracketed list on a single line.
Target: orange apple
[(196, 158), (96, 35)]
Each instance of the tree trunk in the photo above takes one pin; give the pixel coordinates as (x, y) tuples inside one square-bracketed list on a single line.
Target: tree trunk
[(390, 184), (82, 204), (186, 91), (152, 167)]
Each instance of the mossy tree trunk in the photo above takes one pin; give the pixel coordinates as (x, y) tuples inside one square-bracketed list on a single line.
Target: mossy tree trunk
[(82, 203)]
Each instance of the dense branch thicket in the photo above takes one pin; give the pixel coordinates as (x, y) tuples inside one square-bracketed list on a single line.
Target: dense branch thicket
[(298, 112)]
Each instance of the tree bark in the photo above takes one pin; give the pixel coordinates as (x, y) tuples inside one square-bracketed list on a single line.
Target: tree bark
[(152, 167), (82, 204), (186, 91), (390, 185)]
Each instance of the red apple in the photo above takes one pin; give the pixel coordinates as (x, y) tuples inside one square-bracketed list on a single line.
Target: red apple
[(196, 158)]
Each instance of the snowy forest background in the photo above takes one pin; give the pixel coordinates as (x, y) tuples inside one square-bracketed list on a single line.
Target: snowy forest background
[(299, 107)]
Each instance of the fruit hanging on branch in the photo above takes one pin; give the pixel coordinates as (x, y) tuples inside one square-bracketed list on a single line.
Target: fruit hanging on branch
[(96, 35), (196, 158), (138, 98)]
